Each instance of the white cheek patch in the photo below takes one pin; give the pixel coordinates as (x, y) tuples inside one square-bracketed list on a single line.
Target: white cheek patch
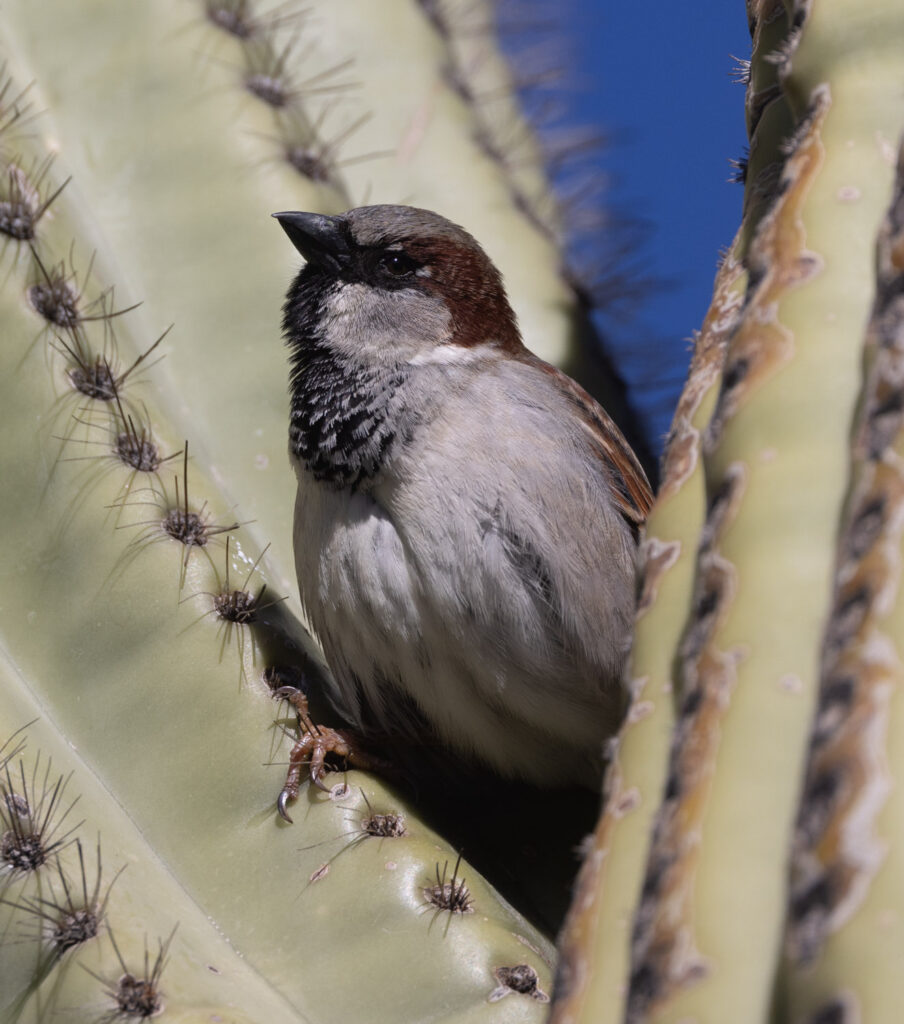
[(384, 326)]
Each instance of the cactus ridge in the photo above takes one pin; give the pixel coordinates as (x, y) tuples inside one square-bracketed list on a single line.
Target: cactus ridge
[(845, 868), (662, 965), (526, 155), (803, 665), (268, 59)]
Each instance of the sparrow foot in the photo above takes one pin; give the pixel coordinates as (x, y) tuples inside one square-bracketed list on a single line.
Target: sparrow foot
[(312, 748)]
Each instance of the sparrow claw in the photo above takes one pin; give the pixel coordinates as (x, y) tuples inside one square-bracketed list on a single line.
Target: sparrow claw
[(285, 693), (312, 748), (281, 802)]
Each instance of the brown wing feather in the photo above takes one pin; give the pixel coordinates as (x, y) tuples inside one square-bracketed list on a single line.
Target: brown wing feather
[(630, 488)]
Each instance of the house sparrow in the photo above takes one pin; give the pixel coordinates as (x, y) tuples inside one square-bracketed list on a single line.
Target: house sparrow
[(467, 515)]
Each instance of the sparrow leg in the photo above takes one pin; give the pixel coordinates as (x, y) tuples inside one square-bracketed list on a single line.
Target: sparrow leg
[(315, 743)]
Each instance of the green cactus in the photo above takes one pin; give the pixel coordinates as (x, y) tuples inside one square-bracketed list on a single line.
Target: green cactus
[(843, 942), (746, 865), (781, 658), (597, 936), (151, 609)]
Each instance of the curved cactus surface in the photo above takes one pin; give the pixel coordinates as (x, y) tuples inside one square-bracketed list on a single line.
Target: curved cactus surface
[(784, 749), (147, 575)]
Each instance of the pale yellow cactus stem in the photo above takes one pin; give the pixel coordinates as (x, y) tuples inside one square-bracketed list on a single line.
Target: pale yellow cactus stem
[(845, 937), (709, 924), (111, 632), (594, 954)]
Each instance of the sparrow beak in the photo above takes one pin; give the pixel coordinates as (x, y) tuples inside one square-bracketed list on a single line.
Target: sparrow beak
[(320, 239)]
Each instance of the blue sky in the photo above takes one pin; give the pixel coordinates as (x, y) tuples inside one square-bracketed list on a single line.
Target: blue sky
[(656, 79)]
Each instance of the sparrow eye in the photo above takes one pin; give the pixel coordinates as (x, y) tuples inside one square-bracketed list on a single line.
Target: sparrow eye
[(397, 264)]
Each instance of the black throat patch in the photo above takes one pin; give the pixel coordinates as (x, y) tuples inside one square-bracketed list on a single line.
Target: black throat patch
[(339, 421)]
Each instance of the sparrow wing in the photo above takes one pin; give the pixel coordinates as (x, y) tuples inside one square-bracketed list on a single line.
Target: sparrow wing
[(630, 489)]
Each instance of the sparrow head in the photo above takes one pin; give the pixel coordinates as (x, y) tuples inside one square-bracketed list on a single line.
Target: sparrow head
[(388, 285)]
